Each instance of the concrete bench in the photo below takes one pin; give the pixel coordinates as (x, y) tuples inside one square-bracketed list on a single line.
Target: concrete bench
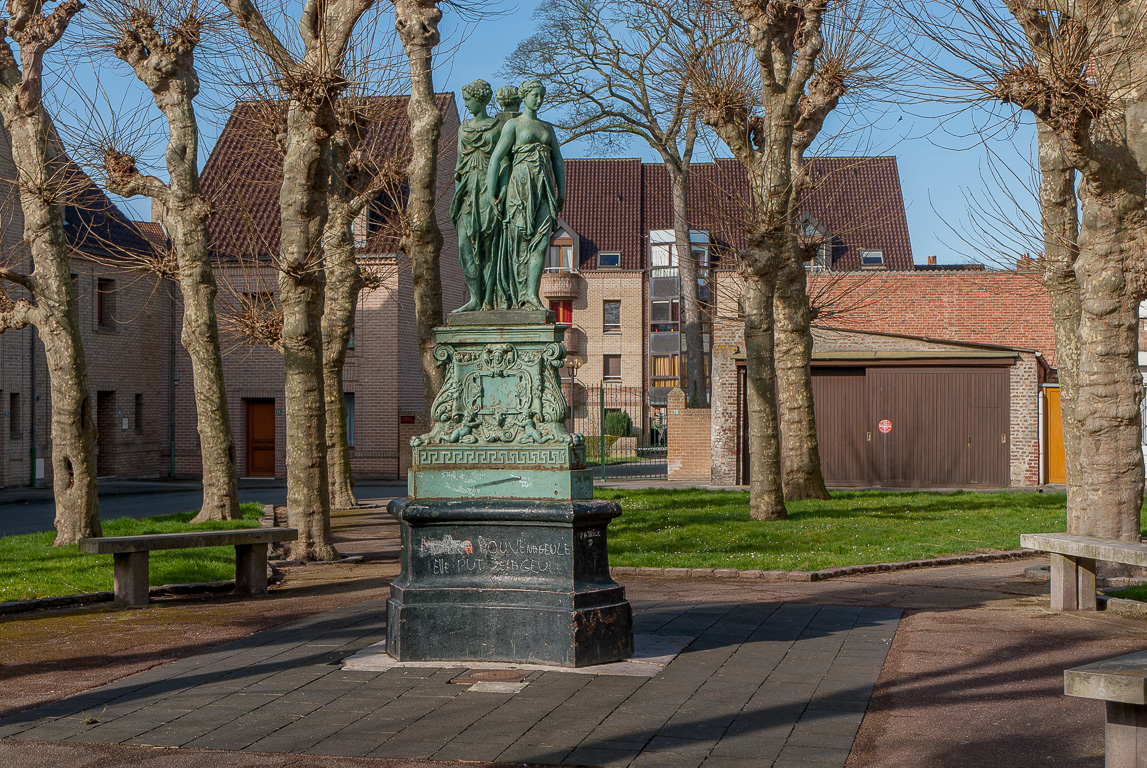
[(1121, 683), (131, 556), (1073, 564)]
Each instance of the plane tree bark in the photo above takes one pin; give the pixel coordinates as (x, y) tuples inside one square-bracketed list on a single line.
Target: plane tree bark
[(417, 24), (43, 180), (165, 63), (311, 84), (769, 112), (1060, 224)]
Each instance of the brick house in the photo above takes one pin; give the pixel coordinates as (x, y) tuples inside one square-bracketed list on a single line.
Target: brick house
[(382, 374), (954, 360), (126, 326), (612, 272)]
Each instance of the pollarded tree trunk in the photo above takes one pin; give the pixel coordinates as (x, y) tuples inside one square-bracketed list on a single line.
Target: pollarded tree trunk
[(687, 267), (186, 222), (766, 497), (73, 430), (312, 86), (417, 25), (200, 337), (344, 282), (41, 166), (167, 68), (1109, 270), (1060, 222), (303, 211), (800, 451)]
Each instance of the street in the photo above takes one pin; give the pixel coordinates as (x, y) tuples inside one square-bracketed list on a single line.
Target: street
[(32, 516)]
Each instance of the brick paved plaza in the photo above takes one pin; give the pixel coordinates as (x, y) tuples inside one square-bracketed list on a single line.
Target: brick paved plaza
[(760, 684)]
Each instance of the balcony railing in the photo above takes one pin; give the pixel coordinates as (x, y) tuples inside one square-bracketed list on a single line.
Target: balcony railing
[(561, 285), (573, 340)]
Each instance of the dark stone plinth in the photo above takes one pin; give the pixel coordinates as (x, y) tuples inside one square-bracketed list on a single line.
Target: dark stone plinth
[(507, 580)]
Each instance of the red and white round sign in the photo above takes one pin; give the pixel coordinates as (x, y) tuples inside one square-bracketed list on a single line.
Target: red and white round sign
[(884, 426)]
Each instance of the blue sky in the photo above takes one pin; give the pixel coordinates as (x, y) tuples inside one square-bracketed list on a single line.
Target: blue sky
[(942, 159)]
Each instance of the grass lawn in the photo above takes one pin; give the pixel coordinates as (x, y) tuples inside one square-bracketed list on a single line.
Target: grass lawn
[(1138, 592), (31, 567), (674, 528)]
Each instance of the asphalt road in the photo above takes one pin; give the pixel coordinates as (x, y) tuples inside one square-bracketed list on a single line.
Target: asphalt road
[(29, 517)]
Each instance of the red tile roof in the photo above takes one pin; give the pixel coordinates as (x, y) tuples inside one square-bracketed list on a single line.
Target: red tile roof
[(243, 175), (153, 232), (613, 204)]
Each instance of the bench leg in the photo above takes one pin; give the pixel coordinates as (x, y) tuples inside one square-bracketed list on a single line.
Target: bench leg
[(251, 569), (131, 579), (1072, 583), (1125, 738)]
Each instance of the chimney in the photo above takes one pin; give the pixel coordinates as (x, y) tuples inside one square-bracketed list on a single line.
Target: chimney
[(931, 261)]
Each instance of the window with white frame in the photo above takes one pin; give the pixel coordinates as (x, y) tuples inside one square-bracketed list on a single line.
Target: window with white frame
[(560, 258)]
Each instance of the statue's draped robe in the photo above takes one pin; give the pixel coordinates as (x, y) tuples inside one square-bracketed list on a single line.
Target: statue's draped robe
[(530, 220), (474, 221)]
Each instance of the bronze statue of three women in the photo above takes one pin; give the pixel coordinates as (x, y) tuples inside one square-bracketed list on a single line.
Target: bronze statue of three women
[(509, 188)]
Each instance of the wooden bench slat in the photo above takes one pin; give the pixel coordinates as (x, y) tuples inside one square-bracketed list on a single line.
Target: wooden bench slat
[(186, 540), (1109, 550)]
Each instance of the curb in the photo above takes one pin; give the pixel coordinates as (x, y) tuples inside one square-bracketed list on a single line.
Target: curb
[(828, 573), (89, 598)]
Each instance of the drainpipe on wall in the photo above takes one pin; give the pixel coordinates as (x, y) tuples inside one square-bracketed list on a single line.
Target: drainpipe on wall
[(1042, 436)]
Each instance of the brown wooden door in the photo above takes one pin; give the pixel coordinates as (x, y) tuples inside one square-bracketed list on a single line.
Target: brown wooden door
[(843, 431), (1056, 462), (261, 438)]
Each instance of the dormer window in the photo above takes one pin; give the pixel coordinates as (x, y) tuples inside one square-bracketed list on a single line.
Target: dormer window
[(871, 259), (563, 254), (560, 257)]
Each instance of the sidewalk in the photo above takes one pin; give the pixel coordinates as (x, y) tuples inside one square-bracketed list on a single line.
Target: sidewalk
[(776, 674)]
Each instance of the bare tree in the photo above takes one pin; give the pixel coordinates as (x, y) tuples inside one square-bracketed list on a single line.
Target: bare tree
[(614, 70), (766, 94), (43, 176), (311, 82), (417, 25), (1074, 66), (160, 49)]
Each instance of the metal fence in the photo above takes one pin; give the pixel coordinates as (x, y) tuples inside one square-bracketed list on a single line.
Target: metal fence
[(624, 435)]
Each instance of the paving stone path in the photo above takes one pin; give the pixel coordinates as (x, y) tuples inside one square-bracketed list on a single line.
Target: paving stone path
[(761, 685)]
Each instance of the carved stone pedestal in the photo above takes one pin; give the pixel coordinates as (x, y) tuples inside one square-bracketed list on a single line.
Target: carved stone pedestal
[(503, 547)]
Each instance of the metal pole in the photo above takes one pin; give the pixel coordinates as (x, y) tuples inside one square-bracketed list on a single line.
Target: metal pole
[(601, 423)]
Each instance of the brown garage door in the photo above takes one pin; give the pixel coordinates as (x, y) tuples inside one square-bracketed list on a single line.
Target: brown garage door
[(949, 425), (840, 396)]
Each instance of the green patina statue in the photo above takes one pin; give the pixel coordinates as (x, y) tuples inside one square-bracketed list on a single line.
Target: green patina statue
[(509, 188), (529, 202), (501, 385), (475, 222)]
